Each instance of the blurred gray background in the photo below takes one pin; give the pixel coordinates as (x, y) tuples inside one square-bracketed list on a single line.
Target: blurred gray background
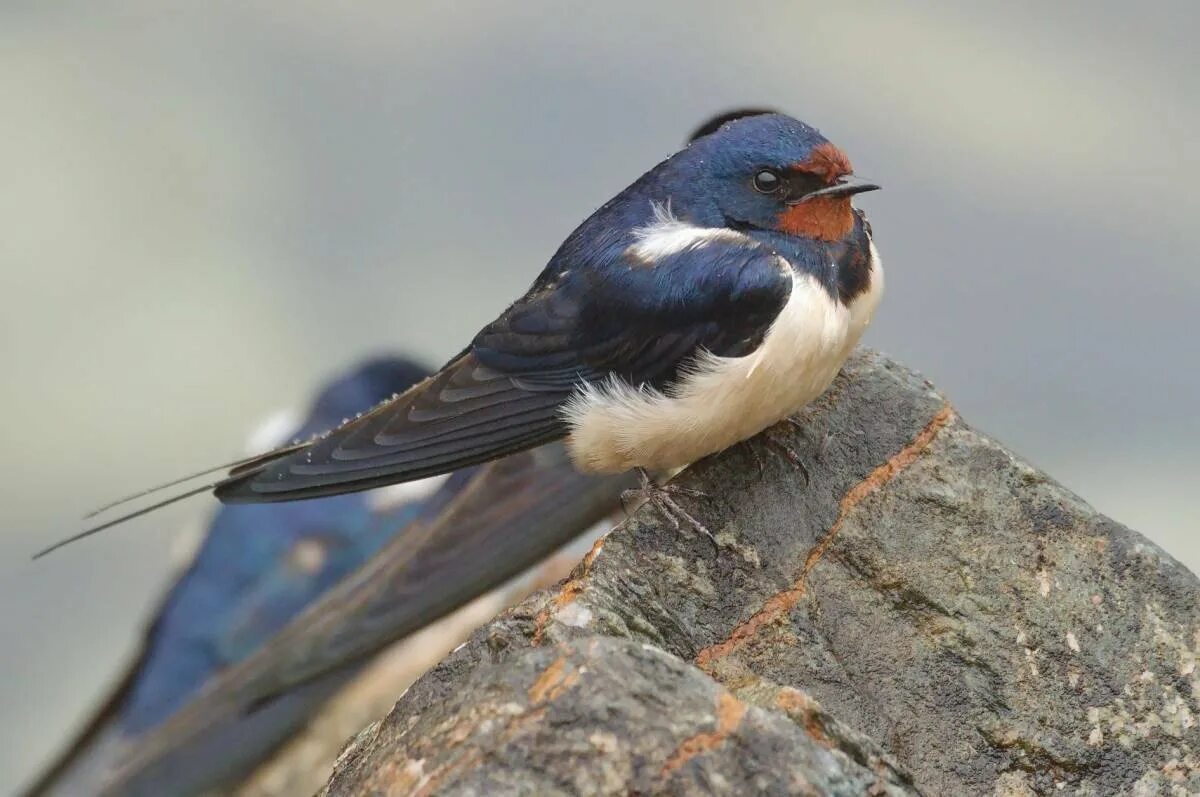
[(207, 210)]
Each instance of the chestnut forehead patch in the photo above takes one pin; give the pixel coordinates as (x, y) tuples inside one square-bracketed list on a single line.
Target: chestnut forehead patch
[(827, 162)]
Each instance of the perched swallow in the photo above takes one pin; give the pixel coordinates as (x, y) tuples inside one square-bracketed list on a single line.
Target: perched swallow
[(260, 566), (715, 296)]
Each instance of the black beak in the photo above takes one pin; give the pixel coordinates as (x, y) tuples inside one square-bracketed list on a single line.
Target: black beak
[(846, 186)]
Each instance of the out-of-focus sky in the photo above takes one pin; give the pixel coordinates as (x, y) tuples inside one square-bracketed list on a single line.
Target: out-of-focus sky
[(208, 209)]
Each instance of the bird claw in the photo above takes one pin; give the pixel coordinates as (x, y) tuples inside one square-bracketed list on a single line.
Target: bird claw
[(822, 447), (688, 491), (749, 446), (788, 451), (660, 497)]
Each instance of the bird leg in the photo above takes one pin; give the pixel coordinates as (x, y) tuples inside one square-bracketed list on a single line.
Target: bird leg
[(748, 444), (786, 450), (660, 497)]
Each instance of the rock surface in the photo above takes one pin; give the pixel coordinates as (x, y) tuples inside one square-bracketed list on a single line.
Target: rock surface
[(921, 613), (302, 765)]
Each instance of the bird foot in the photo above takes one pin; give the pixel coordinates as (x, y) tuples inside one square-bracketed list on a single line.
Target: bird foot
[(661, 497), (786, 450), (753, 450)]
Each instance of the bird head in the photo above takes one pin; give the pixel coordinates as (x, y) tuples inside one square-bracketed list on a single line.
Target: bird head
[(771, 172)]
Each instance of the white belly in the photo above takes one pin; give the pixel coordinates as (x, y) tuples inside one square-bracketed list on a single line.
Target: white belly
[(615, 427)]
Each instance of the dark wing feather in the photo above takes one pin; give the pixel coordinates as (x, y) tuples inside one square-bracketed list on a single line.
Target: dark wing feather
[(639, 321), (466, 414)]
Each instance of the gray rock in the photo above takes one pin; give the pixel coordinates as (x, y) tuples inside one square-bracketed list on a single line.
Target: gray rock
[(910, 609), (599, 716)]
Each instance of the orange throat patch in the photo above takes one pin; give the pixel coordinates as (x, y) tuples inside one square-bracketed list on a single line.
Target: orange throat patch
[(823, 218)]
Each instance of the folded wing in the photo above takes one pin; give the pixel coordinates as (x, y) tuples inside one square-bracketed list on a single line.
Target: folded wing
[(635, 319)]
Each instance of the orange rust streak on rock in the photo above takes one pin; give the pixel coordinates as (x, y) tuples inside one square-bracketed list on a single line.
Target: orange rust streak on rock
[(566, 594), (440, 775), (779, 604), (776, 606), (433, 784), (799, 705), (791, 699), (887, 471), (561, 599), (547, 687), (730, 711), (551, 684), (539, 627), (593, 552)]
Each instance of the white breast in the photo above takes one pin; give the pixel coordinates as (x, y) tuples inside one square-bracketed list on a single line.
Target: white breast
[(724, 400)]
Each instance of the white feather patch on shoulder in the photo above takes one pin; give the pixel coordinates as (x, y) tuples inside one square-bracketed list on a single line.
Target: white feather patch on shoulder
[(667, 235)]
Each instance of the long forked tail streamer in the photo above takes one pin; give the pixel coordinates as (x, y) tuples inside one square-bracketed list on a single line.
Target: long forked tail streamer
[(234, 466), (238, 470), (97, 529)]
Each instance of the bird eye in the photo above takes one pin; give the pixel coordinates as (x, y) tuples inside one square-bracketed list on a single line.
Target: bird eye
[(767, 182)]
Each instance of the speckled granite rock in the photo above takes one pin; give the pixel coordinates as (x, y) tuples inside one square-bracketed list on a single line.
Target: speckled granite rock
[(924, 613)]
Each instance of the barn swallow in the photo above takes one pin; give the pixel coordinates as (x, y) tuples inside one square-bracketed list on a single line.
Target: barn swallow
[(260, 566), (715, 296)]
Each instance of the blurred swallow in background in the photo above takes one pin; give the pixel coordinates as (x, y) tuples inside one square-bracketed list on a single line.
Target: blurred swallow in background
[(260, 566), (499, 519), (256, 567), (715, 296)]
